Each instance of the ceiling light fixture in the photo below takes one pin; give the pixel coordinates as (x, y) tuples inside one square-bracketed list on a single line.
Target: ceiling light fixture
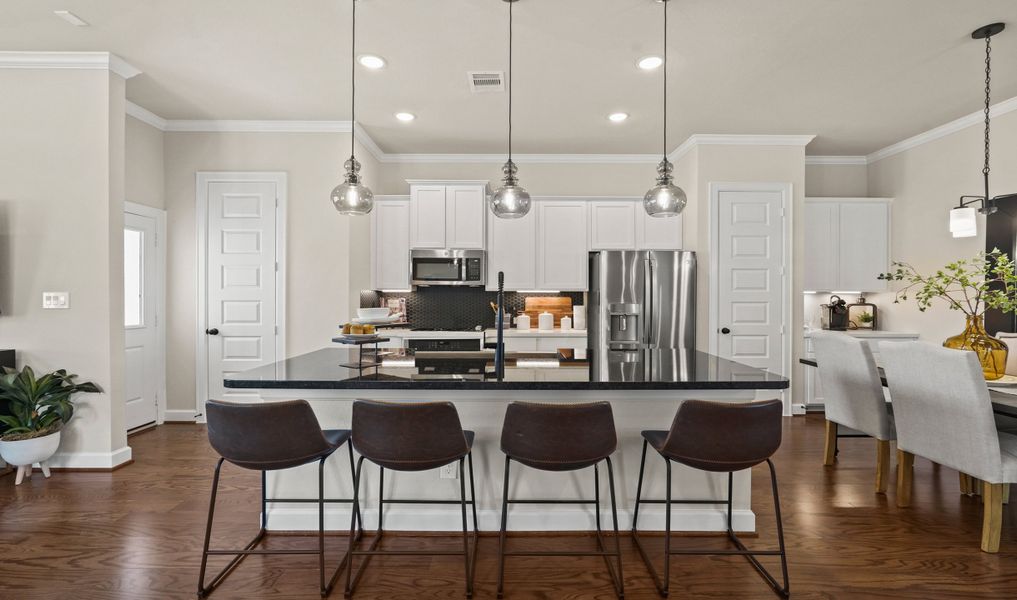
[(649, 63), (665, 199), (963, 222), (405, 117), (351, 197), (510, 201), (71, 18), (618, 117), (371, 61)]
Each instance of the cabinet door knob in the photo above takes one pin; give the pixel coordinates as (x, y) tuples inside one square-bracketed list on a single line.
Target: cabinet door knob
[(725, 331), (212, 331)]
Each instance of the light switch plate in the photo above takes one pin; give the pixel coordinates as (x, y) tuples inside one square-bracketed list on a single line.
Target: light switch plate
[(56, 300)]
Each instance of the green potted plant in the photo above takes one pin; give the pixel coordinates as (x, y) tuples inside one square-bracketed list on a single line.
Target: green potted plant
[(38, 408), (971, 286)]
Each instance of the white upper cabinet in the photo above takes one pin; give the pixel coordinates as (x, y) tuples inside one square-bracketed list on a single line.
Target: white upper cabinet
[(427, 216), (447, 215), (562, 245), (820, 250), (657, 233), (464, 217), (864, 245), (511, 248), (624, 225), (847, 244), (612, 225), (390, 233)]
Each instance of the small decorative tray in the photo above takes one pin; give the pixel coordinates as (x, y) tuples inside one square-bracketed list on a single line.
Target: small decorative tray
[(1006, 381), (360, 339)]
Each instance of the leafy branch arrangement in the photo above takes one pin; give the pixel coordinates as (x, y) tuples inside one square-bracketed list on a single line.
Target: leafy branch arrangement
[(971, 286), (38, 406)]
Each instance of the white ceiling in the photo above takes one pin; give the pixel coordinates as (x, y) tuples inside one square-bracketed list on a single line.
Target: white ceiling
[(859, 74)]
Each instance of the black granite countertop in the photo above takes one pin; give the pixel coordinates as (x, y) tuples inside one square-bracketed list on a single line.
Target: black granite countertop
[(654, 369)]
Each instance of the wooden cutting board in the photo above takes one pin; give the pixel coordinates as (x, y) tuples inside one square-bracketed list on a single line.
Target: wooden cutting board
[(556, 305)]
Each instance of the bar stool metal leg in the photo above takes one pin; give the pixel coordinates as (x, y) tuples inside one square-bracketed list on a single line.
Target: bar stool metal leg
[(504, 525)]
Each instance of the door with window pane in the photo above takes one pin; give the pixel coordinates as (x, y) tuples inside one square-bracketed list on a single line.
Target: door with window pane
[(141, 355)]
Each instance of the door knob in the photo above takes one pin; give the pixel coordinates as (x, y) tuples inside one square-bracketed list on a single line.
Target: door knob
[(212, 331), (725, 331)]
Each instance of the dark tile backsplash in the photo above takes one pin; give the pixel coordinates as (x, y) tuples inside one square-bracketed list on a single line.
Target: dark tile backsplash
[(455, 307)]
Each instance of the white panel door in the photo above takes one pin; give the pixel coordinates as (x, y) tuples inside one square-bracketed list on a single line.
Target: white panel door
[(750, 259), (390, 222), (821, 247), (427, 216), (613, 225), (658, 233), (511, 248), (562, 245), (465, 216), (864, 234), (241, 315), (142, 356)]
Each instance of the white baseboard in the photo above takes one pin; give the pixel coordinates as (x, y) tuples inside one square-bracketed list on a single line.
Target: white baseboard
[(179, 416), (449, 518), (90, 460)]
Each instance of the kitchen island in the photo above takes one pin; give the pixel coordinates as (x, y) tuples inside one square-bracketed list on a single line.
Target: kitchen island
[(644, 387)]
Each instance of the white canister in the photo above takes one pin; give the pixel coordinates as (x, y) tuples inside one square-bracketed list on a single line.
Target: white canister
[(523, 321), (545, 322), (579, 316), (566, 323)]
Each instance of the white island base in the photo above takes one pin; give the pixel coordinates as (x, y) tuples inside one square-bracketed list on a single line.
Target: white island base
[(483, 412)]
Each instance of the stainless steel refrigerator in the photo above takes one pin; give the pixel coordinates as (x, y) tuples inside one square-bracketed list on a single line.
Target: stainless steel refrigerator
[(641, 299)]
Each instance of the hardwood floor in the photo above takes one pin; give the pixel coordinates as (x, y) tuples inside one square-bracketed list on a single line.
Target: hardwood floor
[(136, 534)]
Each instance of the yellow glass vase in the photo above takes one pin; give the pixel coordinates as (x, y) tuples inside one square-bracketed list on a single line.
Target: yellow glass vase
[(991, 351)]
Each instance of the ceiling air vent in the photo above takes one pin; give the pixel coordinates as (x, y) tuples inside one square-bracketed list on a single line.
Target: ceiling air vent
[(486, 81)]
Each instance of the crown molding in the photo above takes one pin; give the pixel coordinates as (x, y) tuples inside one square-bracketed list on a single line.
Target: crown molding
[(523, 158), (975, 118), (836, 160), (708, 139), (242, 126), (68, 60), (146, 116)]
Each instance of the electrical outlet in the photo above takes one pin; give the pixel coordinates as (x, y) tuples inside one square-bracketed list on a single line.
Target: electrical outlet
[(56, 300), (449, 471)]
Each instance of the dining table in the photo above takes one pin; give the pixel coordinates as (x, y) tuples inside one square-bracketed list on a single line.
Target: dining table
[(1002, 395)]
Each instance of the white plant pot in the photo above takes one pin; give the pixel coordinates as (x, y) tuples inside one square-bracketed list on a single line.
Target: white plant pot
[(24, 453)]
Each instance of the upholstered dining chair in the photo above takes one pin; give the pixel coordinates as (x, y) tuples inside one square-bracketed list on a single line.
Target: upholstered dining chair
[(944, 413), (853, 397)]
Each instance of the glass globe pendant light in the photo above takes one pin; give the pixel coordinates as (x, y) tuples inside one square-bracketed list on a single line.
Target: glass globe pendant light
[(351, 197), (510, 201), (665, 199)]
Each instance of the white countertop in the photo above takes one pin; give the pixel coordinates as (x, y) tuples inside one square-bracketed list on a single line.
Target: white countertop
[(533, 332), (862, 333)]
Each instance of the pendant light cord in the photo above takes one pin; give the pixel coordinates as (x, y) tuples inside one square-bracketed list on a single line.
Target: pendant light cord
[(665, 80), (353, 82), (510, 82), (988, 88)]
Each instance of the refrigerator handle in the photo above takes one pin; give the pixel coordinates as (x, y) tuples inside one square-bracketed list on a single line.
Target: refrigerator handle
[(648, 285)]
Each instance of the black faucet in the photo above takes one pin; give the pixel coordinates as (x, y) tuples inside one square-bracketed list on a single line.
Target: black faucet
[(499, 320)]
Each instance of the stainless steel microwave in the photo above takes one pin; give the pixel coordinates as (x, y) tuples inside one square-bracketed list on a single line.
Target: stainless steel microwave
[(448, 267)]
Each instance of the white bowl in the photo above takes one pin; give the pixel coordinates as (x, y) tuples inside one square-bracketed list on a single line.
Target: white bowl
[(372, 313)]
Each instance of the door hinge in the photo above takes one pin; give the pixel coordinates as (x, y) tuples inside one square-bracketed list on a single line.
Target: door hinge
[(277, 203), (276, 330), (277, 267)]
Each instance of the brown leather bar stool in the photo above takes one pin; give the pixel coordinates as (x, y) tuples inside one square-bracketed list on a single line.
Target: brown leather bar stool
[(561, 437), (410, 437), (720, 437), (269, 437)]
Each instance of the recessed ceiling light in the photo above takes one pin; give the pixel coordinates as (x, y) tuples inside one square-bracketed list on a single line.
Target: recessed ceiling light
[(617, 117), (649, 63), (71, 18), (371, 61), (405, 117)]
